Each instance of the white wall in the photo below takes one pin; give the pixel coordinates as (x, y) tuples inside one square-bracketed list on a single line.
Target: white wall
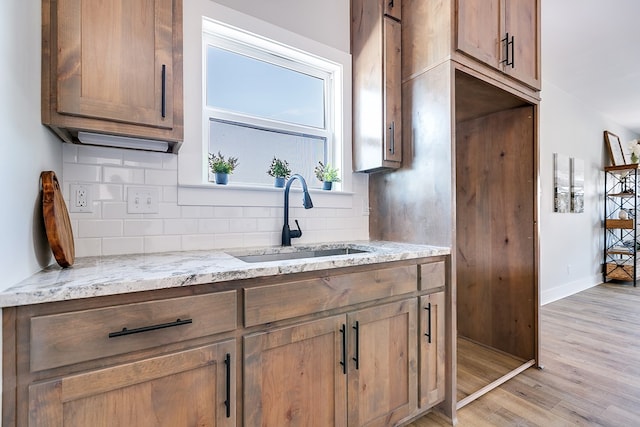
[(27, 147), (571, 244)]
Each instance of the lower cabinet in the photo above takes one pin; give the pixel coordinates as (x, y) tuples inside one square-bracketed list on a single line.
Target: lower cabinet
[(356, 369), (186, 388), (432, 349)]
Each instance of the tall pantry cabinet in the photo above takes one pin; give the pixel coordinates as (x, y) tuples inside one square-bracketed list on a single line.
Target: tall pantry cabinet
[(469, 171)]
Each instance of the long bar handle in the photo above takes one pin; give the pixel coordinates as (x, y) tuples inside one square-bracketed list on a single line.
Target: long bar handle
[(392, 137), (343, 361), (227, 402), (357, 355), (164, 91), (126, 331), (428, 333)]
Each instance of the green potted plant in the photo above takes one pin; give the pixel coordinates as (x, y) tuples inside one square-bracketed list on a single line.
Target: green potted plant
[(327, 174), (222, 167), (280, 170)]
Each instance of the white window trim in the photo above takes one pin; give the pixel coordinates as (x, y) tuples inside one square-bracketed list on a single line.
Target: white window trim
[(193, 186)]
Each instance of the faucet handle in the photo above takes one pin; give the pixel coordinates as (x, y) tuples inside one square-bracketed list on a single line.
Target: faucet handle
[(298, 232)]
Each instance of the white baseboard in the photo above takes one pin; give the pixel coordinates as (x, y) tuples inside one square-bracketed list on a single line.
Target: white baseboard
[(562, 291)]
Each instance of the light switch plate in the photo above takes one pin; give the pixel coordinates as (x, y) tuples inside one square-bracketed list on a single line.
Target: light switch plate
[(142, 200)]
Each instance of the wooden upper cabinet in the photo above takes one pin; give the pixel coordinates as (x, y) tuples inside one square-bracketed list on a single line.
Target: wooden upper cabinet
[(113, 67), (377, 85), (503, 34)]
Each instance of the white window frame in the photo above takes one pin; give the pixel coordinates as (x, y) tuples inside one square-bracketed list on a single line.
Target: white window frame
[(193, 185)]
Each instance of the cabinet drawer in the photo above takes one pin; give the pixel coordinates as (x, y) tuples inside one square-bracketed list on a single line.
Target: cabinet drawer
[(287, 300), (67, 338), (432, 275)]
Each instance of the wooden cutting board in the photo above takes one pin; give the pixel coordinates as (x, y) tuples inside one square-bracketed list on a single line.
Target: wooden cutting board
[(56, 220)]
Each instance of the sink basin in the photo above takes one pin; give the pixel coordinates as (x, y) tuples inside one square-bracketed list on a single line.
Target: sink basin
[(281, 256)]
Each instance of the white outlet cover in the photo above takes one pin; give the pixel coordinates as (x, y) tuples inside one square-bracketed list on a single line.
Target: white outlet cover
[(142, 200), (80, 198)]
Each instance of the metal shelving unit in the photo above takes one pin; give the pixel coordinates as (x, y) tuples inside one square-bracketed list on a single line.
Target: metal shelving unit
[(620, 231)]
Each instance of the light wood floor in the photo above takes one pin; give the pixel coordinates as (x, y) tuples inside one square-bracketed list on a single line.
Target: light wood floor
[(590, 349)]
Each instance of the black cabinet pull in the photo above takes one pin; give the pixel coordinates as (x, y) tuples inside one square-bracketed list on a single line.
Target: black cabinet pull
[(164, 91), (343, 361), (513, 52), (509, 51), (357, 355), (227, 402), (391, 4), (428, 333), (126, 331), (392, 137)]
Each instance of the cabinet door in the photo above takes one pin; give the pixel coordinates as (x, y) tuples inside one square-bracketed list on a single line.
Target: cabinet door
[(432, 349), (479, 31), (382, 373), (188, 388), (114, 60), (521, 21), (393, 91), (295, 376)]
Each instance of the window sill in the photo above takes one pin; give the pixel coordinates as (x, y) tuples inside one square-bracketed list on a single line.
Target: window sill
[(246, 195)]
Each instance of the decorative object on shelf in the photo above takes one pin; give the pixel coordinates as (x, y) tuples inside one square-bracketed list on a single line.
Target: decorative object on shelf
[(616, 153), (327, 174), (634, 149), (222, 167), (623, 214), (280, 170), (561, 184), (577, 185)]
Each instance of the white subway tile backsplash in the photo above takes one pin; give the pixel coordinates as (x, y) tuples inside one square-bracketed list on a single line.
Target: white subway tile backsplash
[(180, 226), (88, 247), (122, 245), (99, 155), (143, 159), (197, 211), (162, 244), (243, 225), (76, 172), (123, 175), (99, 228), (213, 226), (112, 192), (116, 210), (195, 242), (111, 230), (160, 177), (144, 227)]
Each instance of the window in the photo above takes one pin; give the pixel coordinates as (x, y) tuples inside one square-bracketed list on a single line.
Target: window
[(264, 99)]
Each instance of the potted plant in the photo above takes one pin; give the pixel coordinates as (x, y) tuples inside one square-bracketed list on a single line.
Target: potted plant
[(327, 174), (222, 167), (280, 170)]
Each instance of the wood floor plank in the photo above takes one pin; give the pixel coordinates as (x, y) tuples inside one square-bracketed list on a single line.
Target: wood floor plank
[(590, 349)]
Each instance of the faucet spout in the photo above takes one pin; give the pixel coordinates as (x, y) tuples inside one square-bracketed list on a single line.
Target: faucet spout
[(287, 233)]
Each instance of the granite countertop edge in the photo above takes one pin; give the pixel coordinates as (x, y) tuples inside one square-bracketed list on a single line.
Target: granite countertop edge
[(119, 274)]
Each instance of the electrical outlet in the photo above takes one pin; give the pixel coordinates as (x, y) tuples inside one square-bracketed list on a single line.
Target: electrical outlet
[(142, 200), (80, 199)]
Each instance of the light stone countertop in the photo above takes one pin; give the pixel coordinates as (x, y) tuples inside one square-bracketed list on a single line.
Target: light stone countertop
[(111, 275)]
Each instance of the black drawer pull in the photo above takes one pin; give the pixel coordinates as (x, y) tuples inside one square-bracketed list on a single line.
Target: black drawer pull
[(227, 402), (126, 331)]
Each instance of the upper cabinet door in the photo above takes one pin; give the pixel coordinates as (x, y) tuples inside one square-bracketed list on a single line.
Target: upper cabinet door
[(115, 60), (478, 30), (522, 21)]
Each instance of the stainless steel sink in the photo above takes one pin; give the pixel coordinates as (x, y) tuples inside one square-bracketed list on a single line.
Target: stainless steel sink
[(281, 256)]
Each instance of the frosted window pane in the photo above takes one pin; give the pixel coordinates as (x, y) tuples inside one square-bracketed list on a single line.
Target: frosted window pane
[(246, 85), (255, 148)]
